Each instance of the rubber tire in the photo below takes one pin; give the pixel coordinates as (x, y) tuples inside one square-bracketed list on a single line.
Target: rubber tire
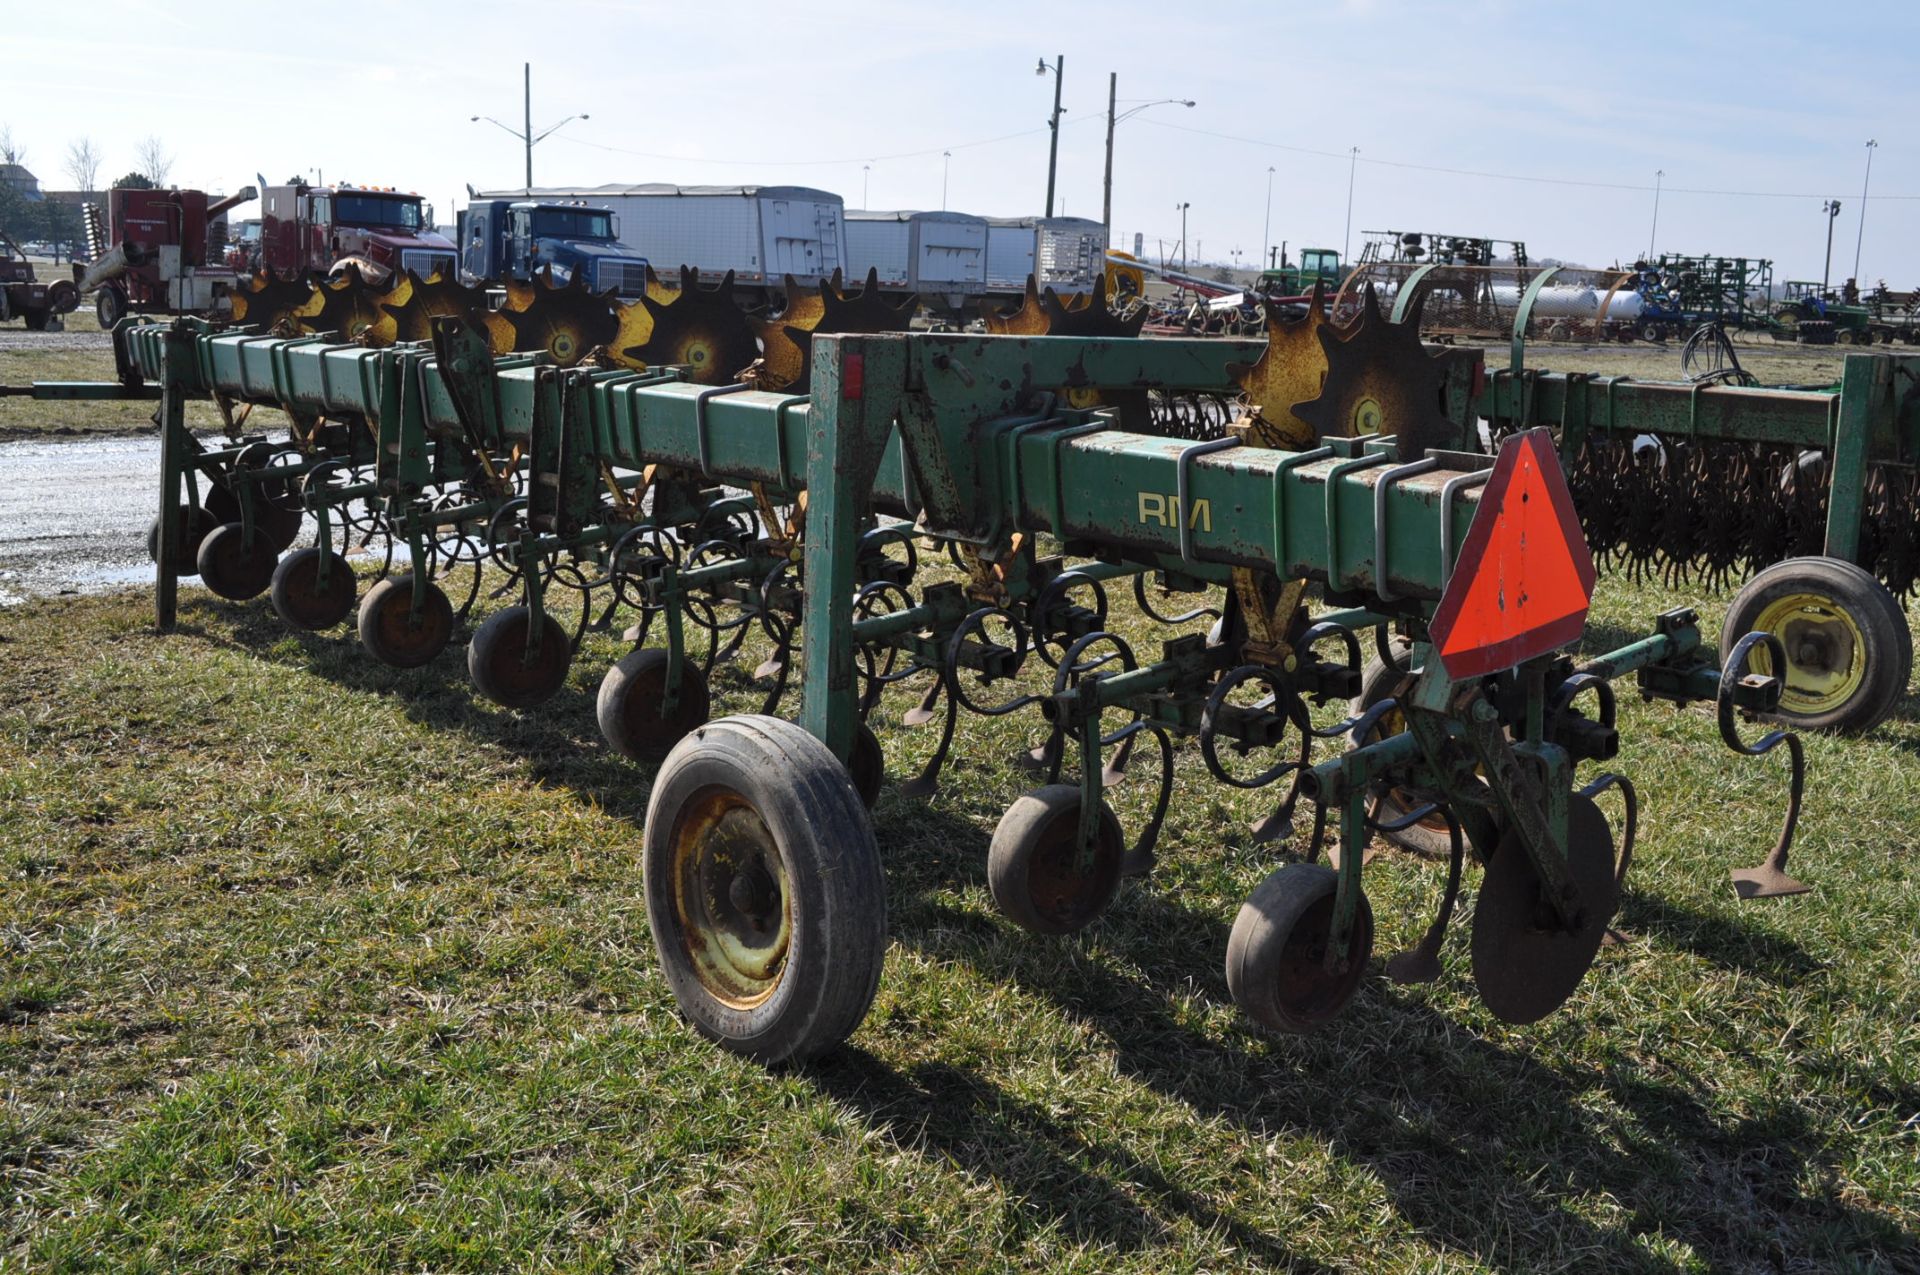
[(1883, 629), (384, 625), (625, 709), (295, 598), (837, 901), (109, 308), (496, 654), (1377, 682), (233, 570), (1011, 860), (867, 766), (1258, 956), (195, 528)]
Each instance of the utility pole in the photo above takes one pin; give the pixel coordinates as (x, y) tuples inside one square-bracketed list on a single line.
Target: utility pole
[(1106, 197), (1871, 147), (946, 161), (864, 170), (1266, 227), (1183, 237), (1059, 69), (1346, 244), (1832, 209), (1659, 176)]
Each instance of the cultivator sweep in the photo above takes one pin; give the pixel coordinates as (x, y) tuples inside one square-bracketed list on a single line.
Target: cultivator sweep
[(1809, 496), (949, 521)]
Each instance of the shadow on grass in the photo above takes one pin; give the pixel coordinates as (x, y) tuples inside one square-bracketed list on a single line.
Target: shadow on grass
[(1480, 1148)]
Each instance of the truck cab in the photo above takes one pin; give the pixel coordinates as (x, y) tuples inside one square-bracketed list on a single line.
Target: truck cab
[(378, 228), (520, 238)]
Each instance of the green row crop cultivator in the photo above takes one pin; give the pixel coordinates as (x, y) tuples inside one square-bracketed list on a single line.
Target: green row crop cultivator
[(957, 518)]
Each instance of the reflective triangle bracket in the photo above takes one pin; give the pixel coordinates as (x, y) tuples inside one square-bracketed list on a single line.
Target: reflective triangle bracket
[(1524, 578)]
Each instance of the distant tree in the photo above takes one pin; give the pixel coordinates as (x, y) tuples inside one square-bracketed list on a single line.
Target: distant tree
[(11, 152), (1223, 275), (134, 181), (83, 163), (152, 161)]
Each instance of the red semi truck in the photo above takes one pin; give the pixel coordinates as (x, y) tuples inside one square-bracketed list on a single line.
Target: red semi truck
[(377, 228)]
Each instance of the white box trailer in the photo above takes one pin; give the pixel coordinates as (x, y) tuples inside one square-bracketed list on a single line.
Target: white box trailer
[(949, 258), (760, 233), (881, 242), (940, 256), (1066, 254)]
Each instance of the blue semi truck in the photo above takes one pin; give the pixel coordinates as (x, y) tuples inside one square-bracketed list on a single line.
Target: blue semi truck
[(501, 238)]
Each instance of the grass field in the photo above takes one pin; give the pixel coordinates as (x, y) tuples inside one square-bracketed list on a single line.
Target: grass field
[(311, 964)]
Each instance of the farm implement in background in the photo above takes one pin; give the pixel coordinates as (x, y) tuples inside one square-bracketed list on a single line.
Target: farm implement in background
[(947, 515)]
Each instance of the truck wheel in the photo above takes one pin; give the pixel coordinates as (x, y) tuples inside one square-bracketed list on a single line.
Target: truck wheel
[(1849, 650), (764, 889), (108, 307)]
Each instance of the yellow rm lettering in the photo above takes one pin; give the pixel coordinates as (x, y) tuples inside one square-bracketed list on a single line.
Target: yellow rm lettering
[(1164, 511)]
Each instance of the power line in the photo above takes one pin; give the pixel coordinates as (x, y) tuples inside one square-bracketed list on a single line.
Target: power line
[(827, 163), (1511, 177)]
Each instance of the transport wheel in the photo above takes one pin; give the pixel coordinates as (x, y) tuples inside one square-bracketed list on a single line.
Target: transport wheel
[(1525, 969), (1032, 867), (1429, 837), (232, 568), (1277, 952), (394, 634), (108, 307), (867, 767), (299, 598), (195, 524), (629, 704), (498, 662), (764, 889), (1849, 649)]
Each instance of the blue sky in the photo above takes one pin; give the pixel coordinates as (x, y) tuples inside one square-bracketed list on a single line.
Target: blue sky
[(1774, 100)]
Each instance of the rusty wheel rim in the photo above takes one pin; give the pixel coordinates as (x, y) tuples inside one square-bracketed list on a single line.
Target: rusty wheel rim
[(1310, 992), (732, 898), (1060, 889)]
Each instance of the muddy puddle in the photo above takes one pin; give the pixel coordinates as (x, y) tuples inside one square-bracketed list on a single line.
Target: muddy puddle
[(74, 515)]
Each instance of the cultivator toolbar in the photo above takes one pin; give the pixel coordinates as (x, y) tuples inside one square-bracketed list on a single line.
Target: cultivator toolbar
[(1811, 496), (953, 521)]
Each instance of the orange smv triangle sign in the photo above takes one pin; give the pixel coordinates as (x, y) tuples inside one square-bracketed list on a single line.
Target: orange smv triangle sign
[(1524, 577)]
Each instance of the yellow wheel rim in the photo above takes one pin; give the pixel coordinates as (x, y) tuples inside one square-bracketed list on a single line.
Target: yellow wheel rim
[(1826, 655), (732, 899)]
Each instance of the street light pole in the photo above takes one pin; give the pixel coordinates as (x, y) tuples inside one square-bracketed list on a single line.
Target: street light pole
[(1659, 176), (1059, 69), (946, 162), (864, 170), (1861, 237), (1346, 244), (1113, 121), (1106, 186), (1832, 209), (1266, 226), (1183, 237), (528, 138)]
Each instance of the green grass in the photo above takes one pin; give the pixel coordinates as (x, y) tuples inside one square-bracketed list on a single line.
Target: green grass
[(310, 964)]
